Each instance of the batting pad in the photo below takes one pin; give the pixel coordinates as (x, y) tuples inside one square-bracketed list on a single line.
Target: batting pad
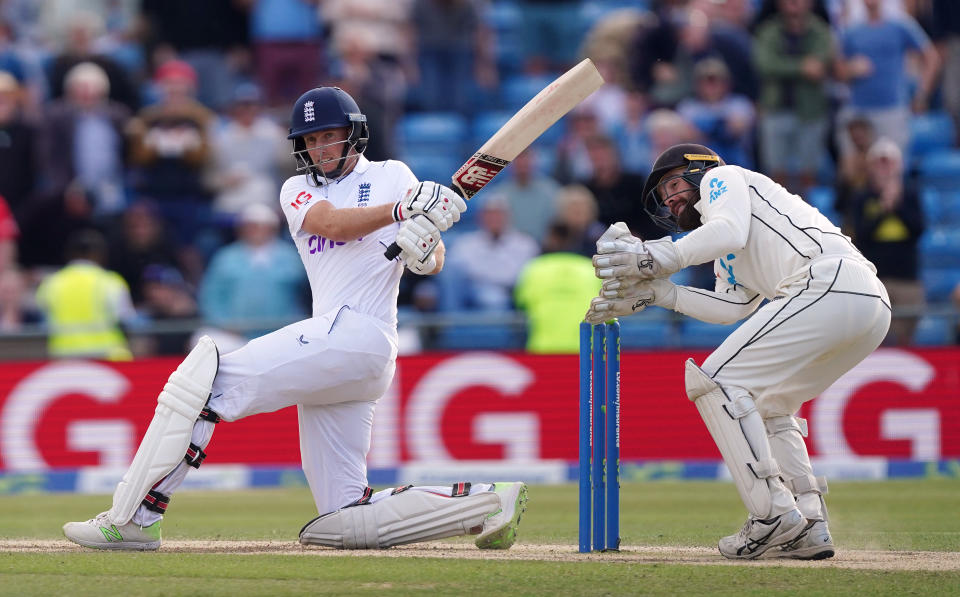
[(407, 517), (167, 438), (739, 432)]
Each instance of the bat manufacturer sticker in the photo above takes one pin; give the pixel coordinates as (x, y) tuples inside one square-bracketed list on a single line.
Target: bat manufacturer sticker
[(477, 172)]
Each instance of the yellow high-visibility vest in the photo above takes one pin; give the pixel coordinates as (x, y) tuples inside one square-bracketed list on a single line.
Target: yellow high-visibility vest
[(555, 291), (80, 302)]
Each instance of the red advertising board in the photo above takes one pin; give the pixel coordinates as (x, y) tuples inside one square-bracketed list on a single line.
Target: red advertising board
[(479, 405)]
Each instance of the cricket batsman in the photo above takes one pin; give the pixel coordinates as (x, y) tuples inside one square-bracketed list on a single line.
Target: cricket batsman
[(818, 310), (342, 211)]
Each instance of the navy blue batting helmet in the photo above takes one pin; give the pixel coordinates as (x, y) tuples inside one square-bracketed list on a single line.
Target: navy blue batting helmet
[(321, 109)]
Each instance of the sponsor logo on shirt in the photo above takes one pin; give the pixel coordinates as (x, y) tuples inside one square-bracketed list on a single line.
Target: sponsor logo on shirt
[(318, 244), (717, 188), (302, 198), (727, 267), (363, 195)]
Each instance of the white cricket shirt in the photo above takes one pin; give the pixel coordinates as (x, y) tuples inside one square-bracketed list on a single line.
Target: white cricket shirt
[(761, 236), (353, 273)]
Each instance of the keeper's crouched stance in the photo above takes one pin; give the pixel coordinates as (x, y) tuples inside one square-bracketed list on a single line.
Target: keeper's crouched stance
[(333, 367), (826, 312)]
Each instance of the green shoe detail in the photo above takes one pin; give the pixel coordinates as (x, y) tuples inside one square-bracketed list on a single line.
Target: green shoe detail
[(504, 536)]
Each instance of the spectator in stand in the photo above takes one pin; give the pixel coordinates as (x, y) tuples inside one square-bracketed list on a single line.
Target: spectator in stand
[(530, 195), (385, 28), (666, 54), (573, 161), (10, 60), (82, 31), (19, 167), (617, 192), (551, 289), (609, 102), (874, 62), (454, 60), (170, 148), (724, 119), (287, 38), (15, 309), (251, 155), (665, 128), (212, 36), (82, 140), (49, 221), (853, 171), (85, 305), (167, 299), (258, 279), (946, 34), (377, 85), (888, 224), (9, 231), (139, 241), (610, 41), (575, 229), (548, 28), (633, 141), (481, 286), (792, 50)]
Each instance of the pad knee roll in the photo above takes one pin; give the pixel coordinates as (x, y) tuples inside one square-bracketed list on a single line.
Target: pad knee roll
[(406, 517)]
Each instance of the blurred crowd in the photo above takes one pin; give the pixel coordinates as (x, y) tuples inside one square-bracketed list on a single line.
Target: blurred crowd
[(143, 143)]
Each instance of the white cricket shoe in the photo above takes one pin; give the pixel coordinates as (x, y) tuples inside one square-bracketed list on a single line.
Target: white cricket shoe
[(101, 533), (814, 543), (757, 536), (500, 527)]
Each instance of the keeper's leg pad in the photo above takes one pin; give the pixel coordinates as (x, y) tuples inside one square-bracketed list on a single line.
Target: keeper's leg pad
[(739, 432), (167, 438), (406, 517), (786, 435)]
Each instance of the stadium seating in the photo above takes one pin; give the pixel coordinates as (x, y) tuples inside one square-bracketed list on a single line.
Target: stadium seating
[(941, 206), (939, 282), (932, 131), (933, 331), (940, 247), (940, 169), (823, 199), (654, 328), (518, 90), (439, 131), (480, 337), (699, 334)]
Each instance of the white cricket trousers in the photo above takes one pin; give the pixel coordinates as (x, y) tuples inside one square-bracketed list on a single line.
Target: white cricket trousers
[(795, 347), (334, 367)]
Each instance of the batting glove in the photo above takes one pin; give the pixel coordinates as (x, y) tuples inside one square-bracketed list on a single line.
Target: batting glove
[(438, 203), (418, 237)]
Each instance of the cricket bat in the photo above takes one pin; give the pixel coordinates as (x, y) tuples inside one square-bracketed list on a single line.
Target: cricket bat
[(523, 128)]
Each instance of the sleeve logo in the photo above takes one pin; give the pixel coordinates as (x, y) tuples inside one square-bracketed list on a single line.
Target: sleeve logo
[(717, 188)]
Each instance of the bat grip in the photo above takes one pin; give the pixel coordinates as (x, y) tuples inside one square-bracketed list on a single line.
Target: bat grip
[(392, 251)]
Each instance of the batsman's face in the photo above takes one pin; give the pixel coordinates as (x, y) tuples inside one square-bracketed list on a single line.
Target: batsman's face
[(326, 148)]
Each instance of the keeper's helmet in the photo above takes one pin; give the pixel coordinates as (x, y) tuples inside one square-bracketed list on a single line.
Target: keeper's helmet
[(696, 160), (321, 109)]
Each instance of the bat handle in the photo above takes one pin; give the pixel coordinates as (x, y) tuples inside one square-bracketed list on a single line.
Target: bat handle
[(392, 251)]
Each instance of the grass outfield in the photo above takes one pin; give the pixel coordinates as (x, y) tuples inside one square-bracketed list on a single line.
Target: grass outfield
[(684, 519)]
